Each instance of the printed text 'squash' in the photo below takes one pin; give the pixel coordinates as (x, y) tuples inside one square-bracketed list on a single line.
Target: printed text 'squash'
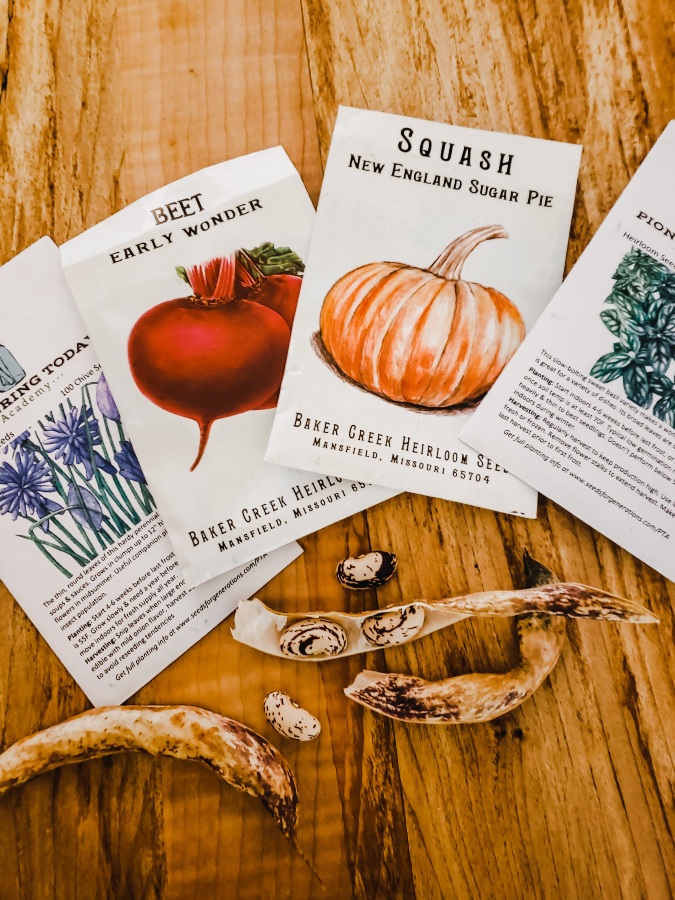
[(447, 152)]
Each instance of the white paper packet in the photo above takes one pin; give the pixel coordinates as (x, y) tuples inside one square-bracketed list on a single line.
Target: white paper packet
[(378, 347), (182, 357), (83, 548), (586, 409)]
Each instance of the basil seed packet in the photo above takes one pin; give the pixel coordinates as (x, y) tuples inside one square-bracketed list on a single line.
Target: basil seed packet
[(435, 248), (84, 550), (585, 412), (189, 295)]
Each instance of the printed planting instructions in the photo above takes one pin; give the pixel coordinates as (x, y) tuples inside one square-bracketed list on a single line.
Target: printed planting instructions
[(578, 427)]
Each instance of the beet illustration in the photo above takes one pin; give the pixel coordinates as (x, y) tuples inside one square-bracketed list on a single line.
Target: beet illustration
[(212, 354)]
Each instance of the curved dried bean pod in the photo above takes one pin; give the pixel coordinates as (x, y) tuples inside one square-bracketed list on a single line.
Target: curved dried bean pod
[(481, 697), (233, 751), (467, 698)]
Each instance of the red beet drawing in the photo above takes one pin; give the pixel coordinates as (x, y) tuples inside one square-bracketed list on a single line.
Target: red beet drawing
[(218, 352), (279, 291)]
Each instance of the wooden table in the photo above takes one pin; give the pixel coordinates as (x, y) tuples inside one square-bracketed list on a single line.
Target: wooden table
[(571, 795)]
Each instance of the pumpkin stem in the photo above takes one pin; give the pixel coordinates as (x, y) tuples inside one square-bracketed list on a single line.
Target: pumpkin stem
[(450, 262)]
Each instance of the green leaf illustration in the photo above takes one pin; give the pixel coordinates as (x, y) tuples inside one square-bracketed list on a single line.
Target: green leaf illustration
[(632, 342), (611, 366), (273, 260), (666, 316), (658, 354), (636, 385), (660, 384), (631, 307), (664, 408), (665, 327), (630, 326), (641, 317), (667, 287), (654, 306), (611, 319)]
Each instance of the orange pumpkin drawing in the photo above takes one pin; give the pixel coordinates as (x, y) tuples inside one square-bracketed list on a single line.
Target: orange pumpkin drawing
[(422, 336)]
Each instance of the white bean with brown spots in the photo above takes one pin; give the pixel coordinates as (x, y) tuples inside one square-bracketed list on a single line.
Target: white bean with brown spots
[(370, 570), (317, 638), (394, 626), (289, 719)]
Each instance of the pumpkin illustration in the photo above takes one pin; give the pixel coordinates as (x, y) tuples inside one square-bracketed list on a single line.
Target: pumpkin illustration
[(422, 336)]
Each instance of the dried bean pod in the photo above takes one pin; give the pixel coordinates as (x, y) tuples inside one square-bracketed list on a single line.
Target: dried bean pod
[(569, 599), (369, 570), (467, 698), (233, 751), (259, 626), (318, 638)]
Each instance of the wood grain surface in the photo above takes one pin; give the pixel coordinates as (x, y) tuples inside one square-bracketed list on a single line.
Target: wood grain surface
[(570, 796)]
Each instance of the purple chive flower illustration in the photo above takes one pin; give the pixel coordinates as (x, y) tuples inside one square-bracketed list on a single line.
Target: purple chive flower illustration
[(18, 442), (105, 400), (84, 507), (23, 486), (128, 464), (92, 469), (72, 437)]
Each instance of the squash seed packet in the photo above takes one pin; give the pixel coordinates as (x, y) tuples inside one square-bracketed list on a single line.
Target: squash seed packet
[(189, 296), (434, 251), (84, 550)]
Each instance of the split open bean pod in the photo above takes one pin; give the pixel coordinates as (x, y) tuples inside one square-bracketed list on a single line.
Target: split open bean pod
[(320, 636)]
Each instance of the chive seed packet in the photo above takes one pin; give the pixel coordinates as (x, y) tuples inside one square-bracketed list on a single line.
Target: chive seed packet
[(84, 550)]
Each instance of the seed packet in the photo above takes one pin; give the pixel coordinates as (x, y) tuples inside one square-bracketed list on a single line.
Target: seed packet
[(435, 248), (84, 550), (586, 410), (189, 295)]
